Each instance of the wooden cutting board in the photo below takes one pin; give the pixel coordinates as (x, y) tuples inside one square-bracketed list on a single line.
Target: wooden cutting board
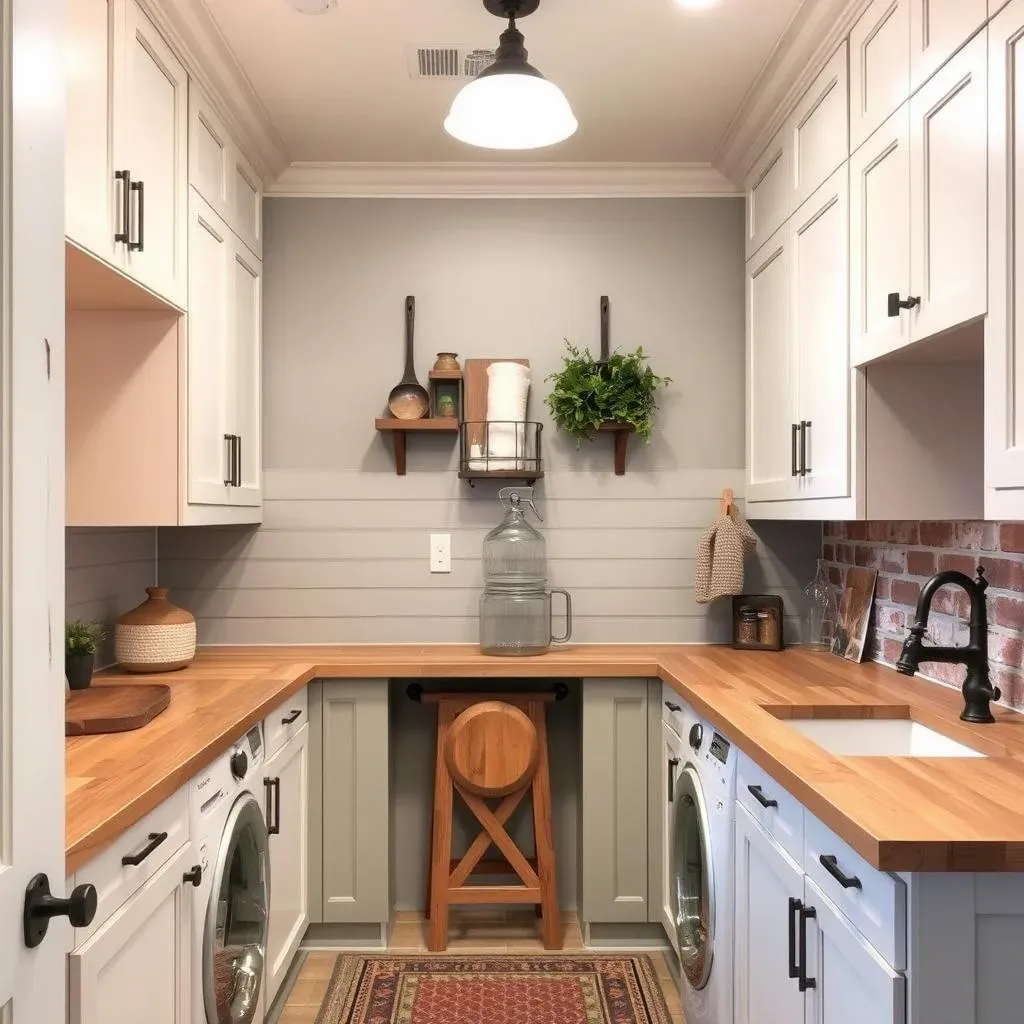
[(100, 709)]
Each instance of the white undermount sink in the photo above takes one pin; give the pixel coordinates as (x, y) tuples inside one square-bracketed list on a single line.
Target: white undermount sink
[(879, 737)]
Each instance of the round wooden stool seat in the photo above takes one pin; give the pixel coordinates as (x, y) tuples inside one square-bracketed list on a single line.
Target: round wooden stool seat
[(491, 749)]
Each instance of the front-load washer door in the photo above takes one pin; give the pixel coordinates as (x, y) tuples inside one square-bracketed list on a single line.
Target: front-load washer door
[(235, 934), (692, 882)]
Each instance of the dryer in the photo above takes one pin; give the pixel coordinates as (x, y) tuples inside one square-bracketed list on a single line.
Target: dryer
[(229, 932)]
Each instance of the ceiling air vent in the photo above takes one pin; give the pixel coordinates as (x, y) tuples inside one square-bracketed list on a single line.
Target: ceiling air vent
[(448, 61)]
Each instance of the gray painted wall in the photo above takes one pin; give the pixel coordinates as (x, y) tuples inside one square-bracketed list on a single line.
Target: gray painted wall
[(342, 554)]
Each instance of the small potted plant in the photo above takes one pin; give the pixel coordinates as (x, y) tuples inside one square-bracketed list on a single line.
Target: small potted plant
[(80, 642), (587, 392)]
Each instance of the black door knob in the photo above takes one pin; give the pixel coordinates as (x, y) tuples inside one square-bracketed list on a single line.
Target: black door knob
[(239, 764), (193, 877), (40, 906), (696, 736)]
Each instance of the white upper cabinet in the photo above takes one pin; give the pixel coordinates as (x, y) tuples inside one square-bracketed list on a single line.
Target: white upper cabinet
[(880, 239), (768, 191), (879, 66), (938, 28), (246, 295), (818, 129)]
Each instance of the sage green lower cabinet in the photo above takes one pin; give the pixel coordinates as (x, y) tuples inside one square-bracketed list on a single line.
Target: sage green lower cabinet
[(614, 825), (348, 806)]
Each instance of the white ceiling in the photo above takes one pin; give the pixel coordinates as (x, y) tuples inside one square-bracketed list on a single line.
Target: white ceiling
[(649, 80)]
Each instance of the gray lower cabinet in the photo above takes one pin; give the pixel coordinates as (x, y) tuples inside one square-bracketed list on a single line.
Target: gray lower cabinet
[(348, 806), (614, 826)]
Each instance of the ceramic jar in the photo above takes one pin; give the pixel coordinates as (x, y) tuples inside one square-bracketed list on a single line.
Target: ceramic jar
[(155, 637), (447, 362)]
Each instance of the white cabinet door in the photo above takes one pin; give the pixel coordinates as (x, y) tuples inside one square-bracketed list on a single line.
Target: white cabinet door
[(244, 315), (948, 195), (209, 352), (880, 239), (879, 66), (289, 856), (151, 142), (852, 983), (819, 244), (93, 197), (670, 769), (137, 967), (937, 29), (771, 419), (767, 882), (768, 191), (1004, 331)]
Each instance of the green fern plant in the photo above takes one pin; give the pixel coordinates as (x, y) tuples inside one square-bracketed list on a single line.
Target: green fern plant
[(83, 637)]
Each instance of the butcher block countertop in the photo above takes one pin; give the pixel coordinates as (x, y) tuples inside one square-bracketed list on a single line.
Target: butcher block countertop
[(901, 814)]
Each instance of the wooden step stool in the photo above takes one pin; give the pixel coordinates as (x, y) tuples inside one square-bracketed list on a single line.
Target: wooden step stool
[(492, 747)]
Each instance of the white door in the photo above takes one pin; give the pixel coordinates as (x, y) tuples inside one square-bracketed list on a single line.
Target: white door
[(949, 195), (852, 982), (32, 53), (767, 884), (210, 450), (151, 142), (1004, 331), (244, 313), (137, 967), (772, 420), (879, 66), (819, 250), (880, 240), (289, 855), (937, 29), (671, 765)]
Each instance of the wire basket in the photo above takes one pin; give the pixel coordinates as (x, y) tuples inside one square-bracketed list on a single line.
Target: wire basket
[(500, 449)]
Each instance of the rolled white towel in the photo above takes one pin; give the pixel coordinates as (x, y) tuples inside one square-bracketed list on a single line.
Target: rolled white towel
[(508, 389)]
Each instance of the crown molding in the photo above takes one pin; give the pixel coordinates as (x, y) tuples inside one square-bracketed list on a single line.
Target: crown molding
[(814, 34), (464, 180), (189, 28)]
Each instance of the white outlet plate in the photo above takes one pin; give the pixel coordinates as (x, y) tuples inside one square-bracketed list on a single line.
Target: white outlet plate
[(440, 552)]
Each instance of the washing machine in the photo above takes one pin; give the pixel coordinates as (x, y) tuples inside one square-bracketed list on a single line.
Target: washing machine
[(702, 873), (229, 932)]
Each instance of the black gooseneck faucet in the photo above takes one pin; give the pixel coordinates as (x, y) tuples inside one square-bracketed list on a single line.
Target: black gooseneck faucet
[(978, 690)]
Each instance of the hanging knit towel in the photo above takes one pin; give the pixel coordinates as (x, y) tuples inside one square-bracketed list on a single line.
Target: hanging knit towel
[(720, 554)]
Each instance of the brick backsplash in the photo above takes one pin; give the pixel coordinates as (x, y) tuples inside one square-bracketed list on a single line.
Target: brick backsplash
[(906, 554)]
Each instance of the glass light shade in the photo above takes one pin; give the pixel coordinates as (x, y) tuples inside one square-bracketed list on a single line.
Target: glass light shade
[(511, 111)]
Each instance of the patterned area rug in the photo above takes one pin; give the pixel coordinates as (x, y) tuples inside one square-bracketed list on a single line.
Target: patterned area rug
[(499, 989)]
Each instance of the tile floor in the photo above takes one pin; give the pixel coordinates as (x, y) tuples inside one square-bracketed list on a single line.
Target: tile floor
[(494, 931)]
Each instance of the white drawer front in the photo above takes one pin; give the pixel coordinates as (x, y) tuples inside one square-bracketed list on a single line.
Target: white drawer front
[(784, 821), (874, 901), (115, 881), (285, 721)]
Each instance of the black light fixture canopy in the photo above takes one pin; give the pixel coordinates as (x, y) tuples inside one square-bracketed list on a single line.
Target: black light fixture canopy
[(511, 8)]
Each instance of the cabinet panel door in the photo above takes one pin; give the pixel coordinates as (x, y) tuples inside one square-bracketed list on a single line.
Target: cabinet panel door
[(209, 352), (245, 300), (151, 141), (937, 29), (289, 858), (880, 239), (209, 154), (819, 244), (91, 193), (1004, 331), (671, 766), (853, 984), (879, 66), (770, 374), (247, 203), (137, 967), (768, 192), (948, 195), (614, 801), (766, 880)]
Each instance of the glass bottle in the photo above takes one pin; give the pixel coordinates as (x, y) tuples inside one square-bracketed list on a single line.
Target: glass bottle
[(820, 615)]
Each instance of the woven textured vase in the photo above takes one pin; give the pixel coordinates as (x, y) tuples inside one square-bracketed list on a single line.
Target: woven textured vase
[(155, 637)]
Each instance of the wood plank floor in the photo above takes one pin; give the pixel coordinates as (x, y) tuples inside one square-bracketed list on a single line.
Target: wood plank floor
[(490, 931)]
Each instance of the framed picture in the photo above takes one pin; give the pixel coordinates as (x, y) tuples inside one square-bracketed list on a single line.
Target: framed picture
[(855, 613)]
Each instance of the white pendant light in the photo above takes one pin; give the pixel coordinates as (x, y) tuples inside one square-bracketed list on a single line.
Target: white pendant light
[(511, 105)]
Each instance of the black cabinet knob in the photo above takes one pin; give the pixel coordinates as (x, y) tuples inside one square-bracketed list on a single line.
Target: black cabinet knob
[(193, 877), (696, 736), (239, 764), (40, 906), (895, 303)]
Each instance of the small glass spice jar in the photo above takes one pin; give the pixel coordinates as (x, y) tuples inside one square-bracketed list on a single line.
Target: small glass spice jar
[(767, 628), (746, 626)]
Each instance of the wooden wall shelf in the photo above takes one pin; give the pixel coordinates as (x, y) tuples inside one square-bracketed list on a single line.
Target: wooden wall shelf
[(621, 432), (401, 429)]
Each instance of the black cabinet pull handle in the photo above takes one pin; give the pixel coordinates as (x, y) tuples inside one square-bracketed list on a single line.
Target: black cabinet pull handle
[(135, 859), (238, 460), (673, 763), (794, 909), (794, 468), (124, 235), (229, 479), (895, 303), (140, 188), (831, 865), (803, 982), (805, 429), (758, 794), (672, 707), (288, 719), (193, 877), (273, 815)]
